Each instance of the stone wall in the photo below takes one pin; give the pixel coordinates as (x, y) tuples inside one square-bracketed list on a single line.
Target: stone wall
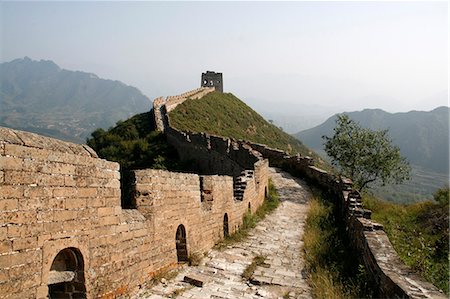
[(393, 278), (63, 229), (162, 106), (199, 203)]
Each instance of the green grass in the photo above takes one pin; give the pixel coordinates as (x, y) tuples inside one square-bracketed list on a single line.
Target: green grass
[(250, 220), (333, 273), (225, 115), (419, 233)]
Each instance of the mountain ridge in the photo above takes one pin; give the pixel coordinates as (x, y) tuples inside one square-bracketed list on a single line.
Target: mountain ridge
[(421, 135), (44, 98)]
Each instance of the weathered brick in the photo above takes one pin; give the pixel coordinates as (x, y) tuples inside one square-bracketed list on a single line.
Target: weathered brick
[(96, 202), (5, 246), (35, 203), (21, 177), (37, 191), (9, 204), (64, 192), (42, 238), (15, 230), (7, 191), (50, 179), (21, 258), (56, 203), (52, 227), (19, 217), (75, 203), (11, 163), (26, 152), (4, 277), (59, 168), (72, 225), (45, 216), (3, 232), (87, 192), (112, 202), (108, 220), (24, 243), (105, 211), (42, 292), (69, 181), (64, 215)]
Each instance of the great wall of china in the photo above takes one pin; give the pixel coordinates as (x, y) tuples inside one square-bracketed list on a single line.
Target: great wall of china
[(63, 231)]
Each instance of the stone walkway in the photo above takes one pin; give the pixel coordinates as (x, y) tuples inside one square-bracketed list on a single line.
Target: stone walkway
[(278, 238)]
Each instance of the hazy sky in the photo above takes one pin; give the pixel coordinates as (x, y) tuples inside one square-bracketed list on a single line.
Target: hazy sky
[(280, 57)]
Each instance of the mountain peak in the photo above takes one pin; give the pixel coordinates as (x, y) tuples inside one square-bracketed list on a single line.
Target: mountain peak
[(38, 96)]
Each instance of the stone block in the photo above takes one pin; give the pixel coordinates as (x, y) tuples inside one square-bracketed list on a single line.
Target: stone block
[(8, 191), (11, 163), (75, 203), (19, 217), (37, 191), (42, 292), (25, 243), (87, 192), (5, 246), (65, 192), (9, 204), (105, 211), (64, 215), (195, 280), (56, 203)]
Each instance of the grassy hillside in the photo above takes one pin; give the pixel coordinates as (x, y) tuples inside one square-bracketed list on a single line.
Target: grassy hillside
[(225, 115), (419, 233)]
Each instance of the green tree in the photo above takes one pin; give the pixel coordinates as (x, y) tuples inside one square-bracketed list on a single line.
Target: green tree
[(364, 155), (442, 196)]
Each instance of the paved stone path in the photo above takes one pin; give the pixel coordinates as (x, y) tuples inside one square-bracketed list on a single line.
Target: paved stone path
[(278, 237)]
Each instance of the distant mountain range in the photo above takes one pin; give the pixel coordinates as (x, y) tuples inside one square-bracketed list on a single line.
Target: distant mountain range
[(41, 97), (423, 138)]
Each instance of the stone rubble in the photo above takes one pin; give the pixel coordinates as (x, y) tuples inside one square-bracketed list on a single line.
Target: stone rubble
[(278, 237)]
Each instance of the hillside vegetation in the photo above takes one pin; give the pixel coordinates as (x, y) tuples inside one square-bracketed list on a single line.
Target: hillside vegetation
[(40, 97), (419, 233), (135, 144), (225, 115)]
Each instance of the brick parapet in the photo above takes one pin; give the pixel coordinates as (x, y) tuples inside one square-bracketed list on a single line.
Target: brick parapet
[(393, 278), (56, 195), (161, 105)]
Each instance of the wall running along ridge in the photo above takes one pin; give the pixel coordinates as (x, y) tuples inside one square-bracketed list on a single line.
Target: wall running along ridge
[(392, 277), (63, 230), (61, 222)]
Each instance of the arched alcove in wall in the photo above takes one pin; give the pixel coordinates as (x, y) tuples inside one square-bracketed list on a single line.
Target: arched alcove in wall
[(226, 231), (66, 277), (181, 244)]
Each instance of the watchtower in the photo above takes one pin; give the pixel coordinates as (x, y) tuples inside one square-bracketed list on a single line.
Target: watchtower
[(212, 79)]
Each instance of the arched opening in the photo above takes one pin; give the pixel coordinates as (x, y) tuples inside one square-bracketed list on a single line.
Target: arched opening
[(265, 192), (249, 208), (181, 245), (66, 277), (225, 225)]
